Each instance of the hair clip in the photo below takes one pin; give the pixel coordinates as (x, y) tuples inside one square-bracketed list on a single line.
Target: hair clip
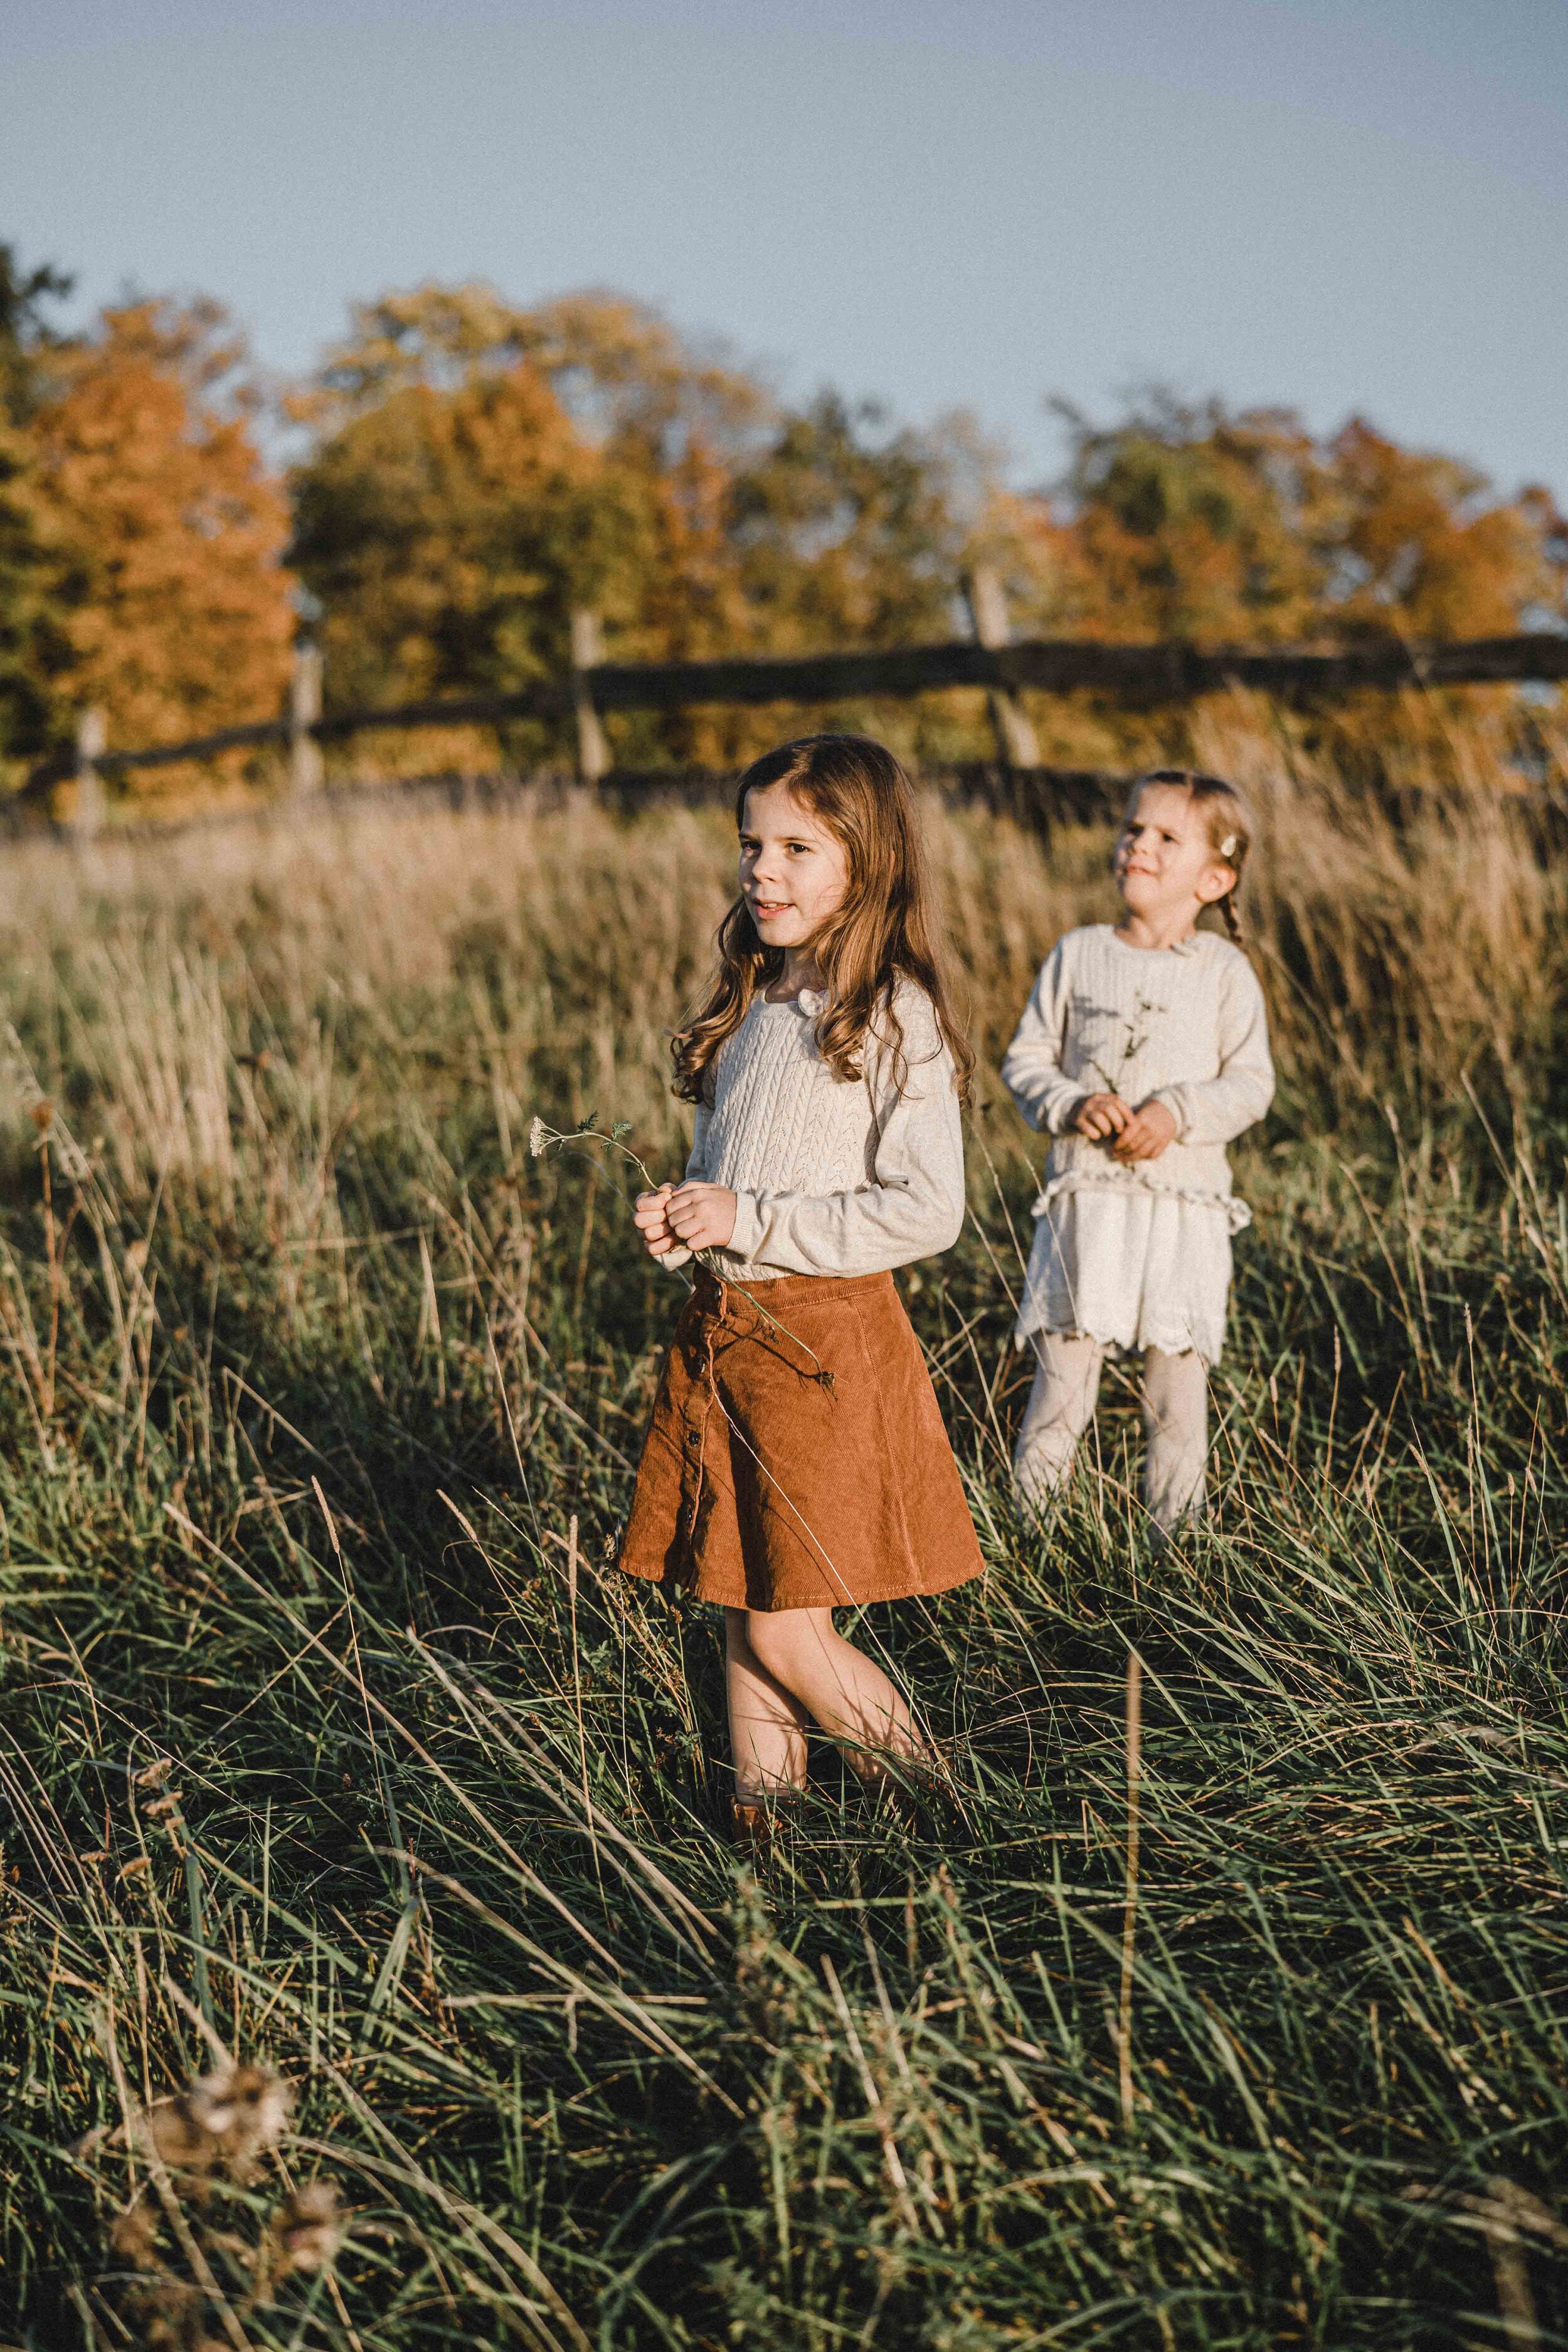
[(1227, 848)]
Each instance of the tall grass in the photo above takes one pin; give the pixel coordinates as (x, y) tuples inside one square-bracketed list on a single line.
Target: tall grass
[(330, 1742)]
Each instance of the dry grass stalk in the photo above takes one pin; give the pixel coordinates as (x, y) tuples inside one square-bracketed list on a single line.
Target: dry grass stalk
[(1134, 1735)]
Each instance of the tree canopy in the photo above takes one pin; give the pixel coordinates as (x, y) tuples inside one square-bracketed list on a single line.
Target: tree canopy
[(1223, 528), (31, 647), (469, 472), (141, 531)]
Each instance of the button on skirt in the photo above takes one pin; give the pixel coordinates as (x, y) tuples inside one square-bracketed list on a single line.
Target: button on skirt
[(796, 1457)]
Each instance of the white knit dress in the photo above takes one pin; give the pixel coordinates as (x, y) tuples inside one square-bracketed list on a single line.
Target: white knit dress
[(1139, 1255)]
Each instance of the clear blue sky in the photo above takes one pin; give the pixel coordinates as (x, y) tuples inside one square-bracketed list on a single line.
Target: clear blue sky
[(1346, 204)]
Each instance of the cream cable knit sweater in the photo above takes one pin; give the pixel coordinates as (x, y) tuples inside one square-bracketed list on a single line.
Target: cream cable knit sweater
[(830, 1177), (1183, 1025)]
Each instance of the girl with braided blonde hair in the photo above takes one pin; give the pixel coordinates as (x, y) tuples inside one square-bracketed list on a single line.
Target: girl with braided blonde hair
[(1142, 1052)]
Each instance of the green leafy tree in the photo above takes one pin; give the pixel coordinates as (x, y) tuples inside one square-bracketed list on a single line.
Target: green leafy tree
[(845, 534)]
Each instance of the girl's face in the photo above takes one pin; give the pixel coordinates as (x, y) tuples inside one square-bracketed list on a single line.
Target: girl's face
[(794, 871), (1162, 861)]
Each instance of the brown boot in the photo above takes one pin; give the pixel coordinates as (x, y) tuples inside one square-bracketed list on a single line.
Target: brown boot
[(753, 1824), (757, 1820)]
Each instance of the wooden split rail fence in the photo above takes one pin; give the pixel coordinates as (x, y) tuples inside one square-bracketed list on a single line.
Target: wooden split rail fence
[(990, 660)]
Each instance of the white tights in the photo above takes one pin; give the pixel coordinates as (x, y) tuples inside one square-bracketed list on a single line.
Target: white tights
[(1061, 1406)]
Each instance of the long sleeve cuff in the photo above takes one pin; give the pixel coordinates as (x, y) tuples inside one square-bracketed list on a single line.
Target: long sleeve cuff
[(742, 1242), (1063, 1109), (1176, 1102)]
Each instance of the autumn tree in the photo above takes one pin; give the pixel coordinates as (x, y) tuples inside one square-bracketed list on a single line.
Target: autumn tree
[(1189, 522), (1422, 548), (446, 533), (31, 649), (1218, 528), (841, 532), (478, 470), (165, 527)]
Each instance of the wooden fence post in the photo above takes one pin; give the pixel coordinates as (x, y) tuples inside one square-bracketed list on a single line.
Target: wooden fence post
[(1016, 745), (587, 652), (307, 770), (91, 742)]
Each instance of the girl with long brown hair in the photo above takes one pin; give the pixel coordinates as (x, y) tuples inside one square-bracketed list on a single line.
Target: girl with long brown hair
[(797, 1461)]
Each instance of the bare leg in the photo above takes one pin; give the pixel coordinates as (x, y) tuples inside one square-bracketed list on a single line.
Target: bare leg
[(1060, 1408), (1175, 1431), (767, 1735), (845, 1691)]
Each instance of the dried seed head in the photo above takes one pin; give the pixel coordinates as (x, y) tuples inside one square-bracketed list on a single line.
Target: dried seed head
[(245, 2109), (133, 2235), (306, 2231), (43, 1116), (169, 2314), (538, 1136), (224, 2123), (173, 2132)]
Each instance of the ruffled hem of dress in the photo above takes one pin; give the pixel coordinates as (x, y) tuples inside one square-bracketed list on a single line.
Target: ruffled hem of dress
[(1237, 1215), (1172, 1343)]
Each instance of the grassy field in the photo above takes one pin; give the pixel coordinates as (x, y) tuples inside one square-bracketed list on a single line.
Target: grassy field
[(330, 1743)]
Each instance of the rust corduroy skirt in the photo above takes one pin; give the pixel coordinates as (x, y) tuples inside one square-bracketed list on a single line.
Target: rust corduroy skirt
[(796, 1457)]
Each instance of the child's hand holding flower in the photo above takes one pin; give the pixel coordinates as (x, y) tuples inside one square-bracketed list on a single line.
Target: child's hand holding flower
[(1102, 1115), (647, 1213), (1147, 1132), (700, 1217)]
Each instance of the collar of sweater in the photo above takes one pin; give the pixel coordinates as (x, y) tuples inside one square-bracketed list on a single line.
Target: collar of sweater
[(1192, 945), (810, 1002)]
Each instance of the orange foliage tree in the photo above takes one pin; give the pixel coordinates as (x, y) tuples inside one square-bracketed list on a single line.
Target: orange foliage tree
[(31, 649), (1421, 546), (475, 471), (1234, 529), (479, 469), (1222, 528), (165, 527)]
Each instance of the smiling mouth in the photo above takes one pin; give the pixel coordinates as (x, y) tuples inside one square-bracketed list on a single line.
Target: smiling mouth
[(764, 908)]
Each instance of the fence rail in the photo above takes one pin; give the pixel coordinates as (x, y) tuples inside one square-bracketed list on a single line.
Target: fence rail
[(1147, 673), (1156, 672)]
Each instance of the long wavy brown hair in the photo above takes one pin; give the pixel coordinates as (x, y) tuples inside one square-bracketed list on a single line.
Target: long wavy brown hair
[(885, 930)]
